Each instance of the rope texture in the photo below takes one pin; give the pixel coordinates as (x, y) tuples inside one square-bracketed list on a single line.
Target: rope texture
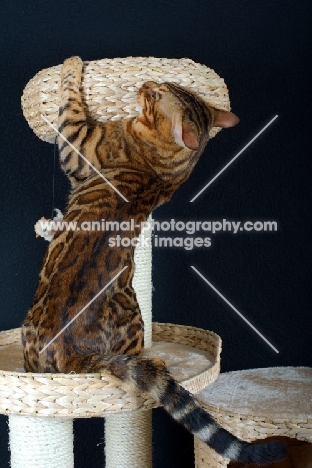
[(41, 442), (128, 438), (142, 281)]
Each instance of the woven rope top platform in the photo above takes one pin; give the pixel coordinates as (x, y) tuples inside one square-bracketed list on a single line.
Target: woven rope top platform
[(191, 354), (109, 88)]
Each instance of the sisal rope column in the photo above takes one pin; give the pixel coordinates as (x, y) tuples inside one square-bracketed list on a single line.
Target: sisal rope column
[(142, 281), (37, 442), (128, 436)]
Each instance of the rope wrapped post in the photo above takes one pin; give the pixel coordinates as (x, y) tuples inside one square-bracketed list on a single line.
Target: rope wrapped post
[(41, 442), (128, 436)]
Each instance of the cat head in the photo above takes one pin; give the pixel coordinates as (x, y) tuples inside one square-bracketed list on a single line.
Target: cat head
[(177, 116)]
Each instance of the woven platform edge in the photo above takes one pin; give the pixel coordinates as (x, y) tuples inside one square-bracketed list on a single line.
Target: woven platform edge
[(250, 427), (206, 340), (119, 75), (50, 395)]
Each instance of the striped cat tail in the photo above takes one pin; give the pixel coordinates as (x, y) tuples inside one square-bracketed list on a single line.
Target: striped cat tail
[(181, 405), (150, 376)]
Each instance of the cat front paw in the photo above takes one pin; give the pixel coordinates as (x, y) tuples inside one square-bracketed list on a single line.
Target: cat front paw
[(72, 64)]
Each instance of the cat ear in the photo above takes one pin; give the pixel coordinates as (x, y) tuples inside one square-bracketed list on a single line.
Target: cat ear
[(190, 138), (183, 134), (224, 119)]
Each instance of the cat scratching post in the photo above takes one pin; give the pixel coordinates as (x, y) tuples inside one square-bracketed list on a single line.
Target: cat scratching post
[(128, 436), (41, 407)]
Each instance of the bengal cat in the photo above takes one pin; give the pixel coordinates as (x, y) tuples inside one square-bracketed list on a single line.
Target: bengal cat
[(146, 159)]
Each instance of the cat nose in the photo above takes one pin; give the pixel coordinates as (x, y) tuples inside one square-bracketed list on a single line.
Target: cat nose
[(149, 84), (149, 87)]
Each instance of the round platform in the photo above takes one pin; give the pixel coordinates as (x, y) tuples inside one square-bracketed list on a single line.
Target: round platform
[(109, 87), (273, 393), (191, 354), (256, 404)]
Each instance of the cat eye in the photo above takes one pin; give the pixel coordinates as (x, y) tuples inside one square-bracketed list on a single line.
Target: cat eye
[(154, 95)]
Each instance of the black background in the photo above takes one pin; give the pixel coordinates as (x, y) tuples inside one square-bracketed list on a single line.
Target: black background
[(262, 50)]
